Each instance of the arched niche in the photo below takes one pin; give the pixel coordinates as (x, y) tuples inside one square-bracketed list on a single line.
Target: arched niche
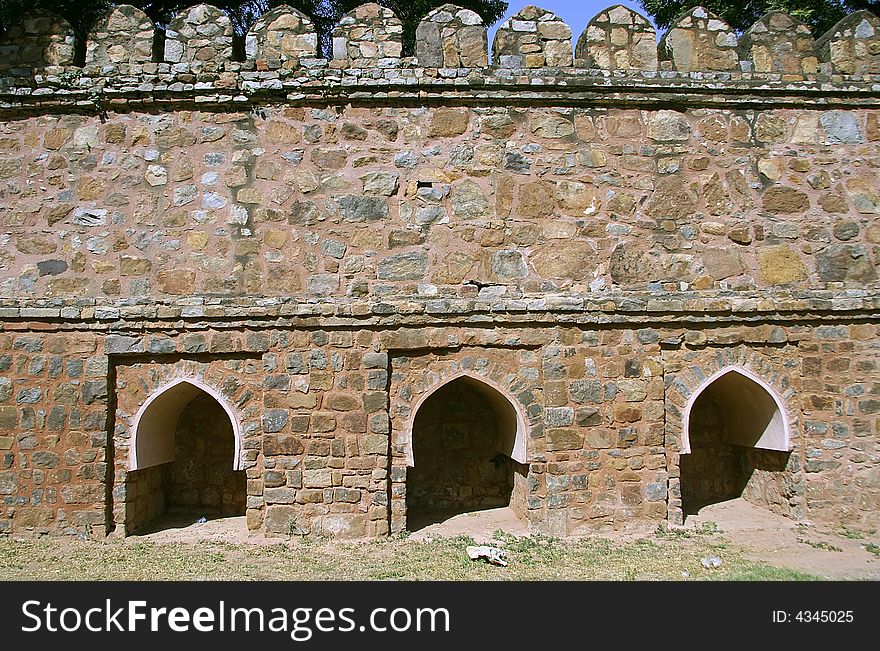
[(753, 414), (154, 425), (511, 419)]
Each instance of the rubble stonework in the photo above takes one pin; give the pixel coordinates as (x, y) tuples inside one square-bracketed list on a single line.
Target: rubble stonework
[(852, 46), (618, 38), (552, 265), (283, 35), (201, 37), (369, 36), (123, 39), (41, 40), (452, 37), (533, 38), (699, 40), (781, 44)]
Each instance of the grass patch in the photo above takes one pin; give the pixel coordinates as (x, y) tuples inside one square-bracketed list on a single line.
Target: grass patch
[(873, 549), (820, 544), (853, 533), (533, 558)]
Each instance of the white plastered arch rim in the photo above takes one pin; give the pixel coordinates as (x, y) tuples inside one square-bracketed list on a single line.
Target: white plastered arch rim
[(172, 398), (776, 436), (516, 449)]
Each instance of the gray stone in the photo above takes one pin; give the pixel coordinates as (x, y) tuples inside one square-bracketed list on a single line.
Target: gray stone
[(509, 264), (51, 267), (8, 482), (375, 360), (116, 344), (89, 217), (45, 459), (846, 262), (357, 208), (94, 390), (274, 420), (586, 391), (842, 128), (381, 183), (558, 416), (412, 265), (29, 396)]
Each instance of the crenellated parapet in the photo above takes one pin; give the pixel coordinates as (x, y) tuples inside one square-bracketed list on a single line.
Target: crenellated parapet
[(618, 39), (41, 40), (533, 48), (699, 41), (282, 38), (533, 38), (778, 43), (452, 37), (370, 36), (122, 41), (852, 46), (201, 38)]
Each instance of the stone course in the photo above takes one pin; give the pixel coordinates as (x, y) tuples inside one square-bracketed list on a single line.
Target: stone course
[(322, 245)]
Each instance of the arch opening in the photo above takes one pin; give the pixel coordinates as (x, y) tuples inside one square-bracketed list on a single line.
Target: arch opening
[(466, 443), (184, 460), (735, 444)]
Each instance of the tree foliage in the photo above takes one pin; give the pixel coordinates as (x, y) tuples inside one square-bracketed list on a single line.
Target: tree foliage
[(819, 15), (82, 14)]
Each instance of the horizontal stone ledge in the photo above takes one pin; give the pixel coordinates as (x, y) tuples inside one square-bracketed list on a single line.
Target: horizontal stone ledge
[(609, 309)]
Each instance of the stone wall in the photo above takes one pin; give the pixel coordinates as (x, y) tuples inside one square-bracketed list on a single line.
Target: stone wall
[(201, 480), (323, 245)]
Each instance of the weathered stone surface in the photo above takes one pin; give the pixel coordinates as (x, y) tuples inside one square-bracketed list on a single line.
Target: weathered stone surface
[(124, 37), (784, 200), (39, 40), (699, 40), (779, 265), (469, 201), (412, 265), (570, 260), (357, 208), (778, 43), (618, 38), (449, 122), (842, 128), (533, 38), (852, 46), (201, 37), (368, 37), (846, 262), (452, 37), (666, 126), (284, 34), (180, 282), (723, 263)]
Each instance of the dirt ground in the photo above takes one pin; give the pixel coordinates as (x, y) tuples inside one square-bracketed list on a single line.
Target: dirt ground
[(824, 551), (821, 550)]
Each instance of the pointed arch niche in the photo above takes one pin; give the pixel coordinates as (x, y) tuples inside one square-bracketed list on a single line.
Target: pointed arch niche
[(154, 426), (465, 445), (736, 442), (184, 458)]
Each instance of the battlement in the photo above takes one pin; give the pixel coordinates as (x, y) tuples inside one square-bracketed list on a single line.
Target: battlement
[(533, 47)]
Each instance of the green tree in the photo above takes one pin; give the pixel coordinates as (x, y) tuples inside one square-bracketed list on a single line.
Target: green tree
[(819, 15)]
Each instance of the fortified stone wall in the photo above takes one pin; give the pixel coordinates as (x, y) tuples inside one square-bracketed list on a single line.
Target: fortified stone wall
[(595, 232)]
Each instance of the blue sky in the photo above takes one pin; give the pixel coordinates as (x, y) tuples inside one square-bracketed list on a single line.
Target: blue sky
[(577, 13)]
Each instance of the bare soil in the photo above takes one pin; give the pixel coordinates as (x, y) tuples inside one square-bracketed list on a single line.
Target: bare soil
[(824, 551), (819, 549)]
